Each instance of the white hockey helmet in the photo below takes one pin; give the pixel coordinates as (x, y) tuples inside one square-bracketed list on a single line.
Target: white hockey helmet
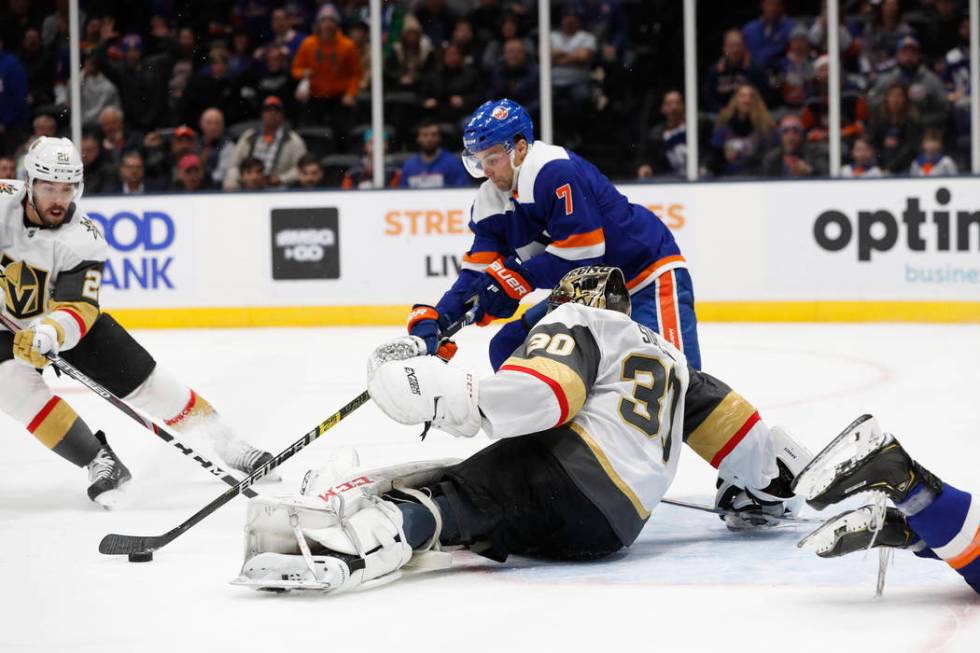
[(54, 159)]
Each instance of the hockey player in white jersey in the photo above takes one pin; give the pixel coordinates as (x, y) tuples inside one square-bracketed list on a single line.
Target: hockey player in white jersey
[(52, 257), (588, 416)]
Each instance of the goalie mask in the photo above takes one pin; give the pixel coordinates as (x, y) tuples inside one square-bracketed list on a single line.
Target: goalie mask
[(597, 286)]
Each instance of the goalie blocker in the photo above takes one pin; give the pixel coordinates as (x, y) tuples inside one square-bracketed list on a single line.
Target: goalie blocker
[(590, 415)]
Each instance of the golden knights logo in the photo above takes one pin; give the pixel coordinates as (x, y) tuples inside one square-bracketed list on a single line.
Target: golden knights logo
[(24, 288), (6, 189)]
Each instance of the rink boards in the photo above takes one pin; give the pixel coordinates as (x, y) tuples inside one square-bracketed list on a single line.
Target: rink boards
[(830, 250)]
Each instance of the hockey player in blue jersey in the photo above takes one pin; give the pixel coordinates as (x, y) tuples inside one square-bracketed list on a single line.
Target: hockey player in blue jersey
[(542, 212), (930, 517)]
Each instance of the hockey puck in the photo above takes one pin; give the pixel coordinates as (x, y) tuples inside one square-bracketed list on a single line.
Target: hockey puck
[(144, 556)]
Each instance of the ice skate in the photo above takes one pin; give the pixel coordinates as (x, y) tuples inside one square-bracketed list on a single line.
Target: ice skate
[(859, 530), (107, 475), (243, 457), (861, 459)]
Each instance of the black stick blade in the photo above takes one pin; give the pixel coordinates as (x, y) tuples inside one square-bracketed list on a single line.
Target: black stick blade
[(113, 544)]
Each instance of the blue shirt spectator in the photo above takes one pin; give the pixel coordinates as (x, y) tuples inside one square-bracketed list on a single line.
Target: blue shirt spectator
[(767, 37), (433, 167), (13, 91)]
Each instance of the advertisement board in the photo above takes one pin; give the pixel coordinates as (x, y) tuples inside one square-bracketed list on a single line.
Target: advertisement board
[(828, 249)]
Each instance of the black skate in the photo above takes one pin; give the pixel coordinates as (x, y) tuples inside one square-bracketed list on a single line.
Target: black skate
[(861, 459), (859, 530), (245, 458), (106, 474)]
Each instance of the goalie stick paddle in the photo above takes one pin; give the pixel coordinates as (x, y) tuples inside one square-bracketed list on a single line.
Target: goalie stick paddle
[(71, 371), (115, 544)]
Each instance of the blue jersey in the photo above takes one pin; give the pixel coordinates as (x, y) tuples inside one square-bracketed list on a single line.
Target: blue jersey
[(444, 171), (563, 215)]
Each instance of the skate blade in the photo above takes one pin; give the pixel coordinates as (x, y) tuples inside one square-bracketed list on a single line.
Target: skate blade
[(860, 438), (825, 538), (265, 585)]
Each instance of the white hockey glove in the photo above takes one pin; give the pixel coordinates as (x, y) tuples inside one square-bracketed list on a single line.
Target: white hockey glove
[(31, 344), (425, 390)]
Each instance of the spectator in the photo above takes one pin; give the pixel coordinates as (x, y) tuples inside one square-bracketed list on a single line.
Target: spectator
[(849, 46), (767, 37), (433, 167), (436, 20), (794, 157), (572, 53), (453, 89), (853, 108), (925, 89), (360, 36), (240, 55), (735, 68), (361, 174), (485, 19), (213, 87), (942, 26), (116, 137), (509, 30), (862, 160), (272, 76), (91, 36), (251, 172), (8, 167), (894, 129), (516, 77), (932, 161), (182, 70), (666, 151), (131, 179), (742, 134), (956, 79), (161, 160), (606, 20), (45, 125), (329, 71), (274, 144), (13, 101), (97, 93), (465, 41), (55, 25), (190, 174), (39, 64), (142, 83), (284, 38), (309, 173), (410, 60), (797, 70), (216, 148), (98, 172), (881, 36)]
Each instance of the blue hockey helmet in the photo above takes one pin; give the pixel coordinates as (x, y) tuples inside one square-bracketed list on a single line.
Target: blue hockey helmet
[(495, 122)]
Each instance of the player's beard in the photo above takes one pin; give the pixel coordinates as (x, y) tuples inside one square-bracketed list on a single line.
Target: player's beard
[(53, 216)]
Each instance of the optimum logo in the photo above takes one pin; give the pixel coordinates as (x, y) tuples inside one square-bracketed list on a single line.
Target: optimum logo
[(943, 230), (305, 244)]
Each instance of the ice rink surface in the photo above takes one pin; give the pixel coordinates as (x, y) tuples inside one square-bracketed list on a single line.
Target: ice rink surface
[(687, 584)]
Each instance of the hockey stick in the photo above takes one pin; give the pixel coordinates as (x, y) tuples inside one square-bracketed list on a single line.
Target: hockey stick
[(733, 513), (70, 370), (115, 544)]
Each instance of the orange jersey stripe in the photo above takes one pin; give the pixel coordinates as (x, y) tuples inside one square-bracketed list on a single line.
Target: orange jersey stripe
[(650, 269), (669, 327), (968, 555), (595, 237), (480, 258)]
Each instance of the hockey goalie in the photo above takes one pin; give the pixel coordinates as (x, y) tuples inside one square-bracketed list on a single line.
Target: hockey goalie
[(587, 417)]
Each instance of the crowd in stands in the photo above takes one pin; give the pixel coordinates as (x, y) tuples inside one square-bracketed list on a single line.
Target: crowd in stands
[(904, 95), (181, 95)]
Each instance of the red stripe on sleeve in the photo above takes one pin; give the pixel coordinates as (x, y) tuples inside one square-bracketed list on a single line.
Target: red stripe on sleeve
[(39, 418), (735, 439), (78, 318), (555, 387), (669, 328)]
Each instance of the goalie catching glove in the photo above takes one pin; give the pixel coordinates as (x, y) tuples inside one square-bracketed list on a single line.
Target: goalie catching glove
[(423, 390)]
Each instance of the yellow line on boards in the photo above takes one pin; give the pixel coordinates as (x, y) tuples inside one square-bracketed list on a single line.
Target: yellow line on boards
[(305, 316)]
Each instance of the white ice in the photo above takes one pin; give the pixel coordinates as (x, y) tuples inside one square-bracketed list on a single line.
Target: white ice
[(686, 584)]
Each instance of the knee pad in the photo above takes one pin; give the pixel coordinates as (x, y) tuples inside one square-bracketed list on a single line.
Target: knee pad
[(24, 391)]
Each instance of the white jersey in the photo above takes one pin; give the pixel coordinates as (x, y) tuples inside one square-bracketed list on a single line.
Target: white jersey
[(51, 273), (613, 402)]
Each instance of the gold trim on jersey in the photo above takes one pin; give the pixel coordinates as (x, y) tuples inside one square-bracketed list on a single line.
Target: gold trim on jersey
[(567, 379), (720, 425), (85, 310), (610, 472)]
